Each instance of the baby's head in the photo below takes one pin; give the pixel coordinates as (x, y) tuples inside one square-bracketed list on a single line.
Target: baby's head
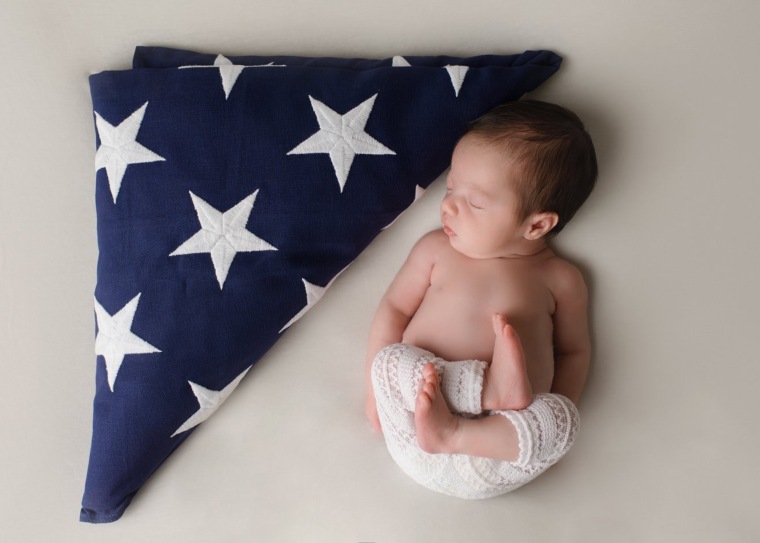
[(554, 157)]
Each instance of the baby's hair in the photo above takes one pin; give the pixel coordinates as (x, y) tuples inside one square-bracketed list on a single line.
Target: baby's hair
[(555, 151)]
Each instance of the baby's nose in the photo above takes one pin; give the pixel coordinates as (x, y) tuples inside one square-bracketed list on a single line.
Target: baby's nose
[(447, 205)]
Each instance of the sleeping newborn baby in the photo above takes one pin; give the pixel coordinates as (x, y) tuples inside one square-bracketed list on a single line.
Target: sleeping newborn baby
[(479, 349)]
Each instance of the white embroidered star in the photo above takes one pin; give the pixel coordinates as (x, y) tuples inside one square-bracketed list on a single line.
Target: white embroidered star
[(115, 338), (209, 401), (314, 293), (230, 72), (118, 148), (342, 137), (223, 235), (457, 74)]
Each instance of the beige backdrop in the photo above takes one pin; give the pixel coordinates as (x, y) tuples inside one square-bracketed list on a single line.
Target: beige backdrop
[(669, 439)]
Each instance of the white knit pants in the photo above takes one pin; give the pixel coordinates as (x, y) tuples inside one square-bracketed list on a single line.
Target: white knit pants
[(546, 428)]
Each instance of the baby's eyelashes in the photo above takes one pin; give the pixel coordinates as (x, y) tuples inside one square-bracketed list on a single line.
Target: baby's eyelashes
[(473, 204)]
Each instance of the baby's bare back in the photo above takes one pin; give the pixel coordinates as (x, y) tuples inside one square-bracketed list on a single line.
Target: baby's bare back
[(454, 319)]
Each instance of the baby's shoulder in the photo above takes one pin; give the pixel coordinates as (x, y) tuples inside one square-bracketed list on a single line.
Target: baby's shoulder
[(426, 250), (563, 278), (432, 242)]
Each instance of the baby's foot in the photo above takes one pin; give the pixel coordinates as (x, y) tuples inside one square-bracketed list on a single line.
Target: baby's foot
[(505, 383), (436, 426)]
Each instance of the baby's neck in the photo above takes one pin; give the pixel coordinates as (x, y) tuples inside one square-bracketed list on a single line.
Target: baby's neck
[(526, 249), (518, 251)]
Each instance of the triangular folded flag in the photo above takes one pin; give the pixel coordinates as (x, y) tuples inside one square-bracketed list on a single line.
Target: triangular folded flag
[(230, 192)]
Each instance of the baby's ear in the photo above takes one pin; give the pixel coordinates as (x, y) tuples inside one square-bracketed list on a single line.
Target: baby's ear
[(540, 224)]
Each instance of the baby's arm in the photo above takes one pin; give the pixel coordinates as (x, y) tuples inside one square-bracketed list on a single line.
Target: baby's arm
[(398, 305), (572, 346)]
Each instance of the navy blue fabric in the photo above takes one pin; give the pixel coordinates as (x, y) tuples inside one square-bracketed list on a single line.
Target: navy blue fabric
[(164, 57), (223, 149)]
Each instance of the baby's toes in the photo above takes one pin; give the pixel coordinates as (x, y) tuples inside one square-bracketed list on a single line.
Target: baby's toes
[(499, 322), (428, 372)]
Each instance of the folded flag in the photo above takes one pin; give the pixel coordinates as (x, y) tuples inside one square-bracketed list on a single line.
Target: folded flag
[(230, 192)]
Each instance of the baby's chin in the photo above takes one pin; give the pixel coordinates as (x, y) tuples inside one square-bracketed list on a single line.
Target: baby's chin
[(465, 249)]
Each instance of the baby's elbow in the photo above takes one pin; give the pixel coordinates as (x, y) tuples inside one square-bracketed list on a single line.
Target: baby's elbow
[(576, 356), (399, 310)]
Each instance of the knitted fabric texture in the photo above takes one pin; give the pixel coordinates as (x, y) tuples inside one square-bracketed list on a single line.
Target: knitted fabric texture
[(546, 428)]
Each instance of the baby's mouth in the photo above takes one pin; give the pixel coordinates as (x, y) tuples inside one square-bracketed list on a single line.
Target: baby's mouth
[(448, 231)]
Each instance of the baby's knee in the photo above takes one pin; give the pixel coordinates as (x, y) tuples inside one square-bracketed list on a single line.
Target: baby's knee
[(546, 429), (396, 372), (400, 354), (568, 421), (380, 366), (382, 358), (559, 421)]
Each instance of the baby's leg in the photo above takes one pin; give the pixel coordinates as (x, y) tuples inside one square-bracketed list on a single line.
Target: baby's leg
[(396, 376), (439, 431), (464, 387), (506, 384), (545, 430), (397, 373), (533, 438)]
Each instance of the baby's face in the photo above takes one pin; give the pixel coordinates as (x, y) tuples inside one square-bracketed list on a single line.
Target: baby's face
[(479, 210)]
